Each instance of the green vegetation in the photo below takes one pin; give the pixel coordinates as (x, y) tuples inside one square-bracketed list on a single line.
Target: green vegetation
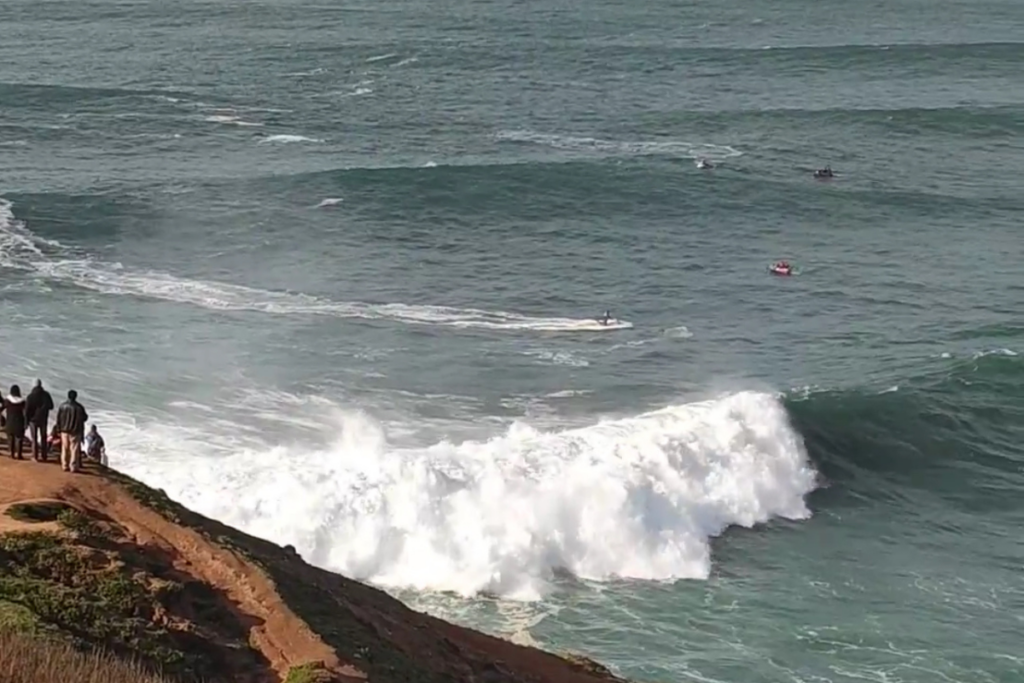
[(312, 594), (88, 588), (321, 599), (79, 524), (91, 587), (314, 672), (65, 591), (44, 511), (586, 664), (158, 501), (18, 619)]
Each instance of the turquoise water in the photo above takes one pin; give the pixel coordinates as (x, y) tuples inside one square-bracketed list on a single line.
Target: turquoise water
[(327, 272)]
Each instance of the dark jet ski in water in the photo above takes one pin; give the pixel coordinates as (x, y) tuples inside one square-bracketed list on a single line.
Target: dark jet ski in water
[(824, 173)]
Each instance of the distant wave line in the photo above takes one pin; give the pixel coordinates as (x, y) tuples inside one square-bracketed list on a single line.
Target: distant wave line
[(19, 248), (620, 147)]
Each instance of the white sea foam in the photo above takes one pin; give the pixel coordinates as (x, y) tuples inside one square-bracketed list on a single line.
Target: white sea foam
[(21, 249), (230, 119), (282, 138), (114, 279), (16, 243), (558, 357), (637, 497), (379, 58), (621, 147), (360, 88), (569, 393), (994, 352), (681, 332), (312, 72), (330, 201)]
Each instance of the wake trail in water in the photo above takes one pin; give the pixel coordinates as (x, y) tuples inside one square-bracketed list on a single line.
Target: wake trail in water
[(637, 497), (21, 249)]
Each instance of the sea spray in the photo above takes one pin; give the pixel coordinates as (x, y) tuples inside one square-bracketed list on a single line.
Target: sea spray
[(637, 497)]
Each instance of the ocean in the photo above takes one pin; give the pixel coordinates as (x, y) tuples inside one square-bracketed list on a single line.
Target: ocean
[(328, 272)]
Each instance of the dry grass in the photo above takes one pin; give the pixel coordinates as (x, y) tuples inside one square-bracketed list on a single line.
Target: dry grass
[(24, 659)]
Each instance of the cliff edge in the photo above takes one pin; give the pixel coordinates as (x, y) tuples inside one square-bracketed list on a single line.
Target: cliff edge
[(97, 560)]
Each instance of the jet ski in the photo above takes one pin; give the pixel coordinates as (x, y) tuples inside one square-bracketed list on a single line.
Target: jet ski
[(781, 268), (824, 173), (704, 163)]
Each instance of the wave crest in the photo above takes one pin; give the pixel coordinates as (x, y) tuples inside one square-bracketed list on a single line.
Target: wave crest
[(637, 497), (623, 148), (19, 248)]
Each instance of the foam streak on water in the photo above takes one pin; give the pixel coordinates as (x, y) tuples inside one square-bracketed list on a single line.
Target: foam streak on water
[(19, 249)]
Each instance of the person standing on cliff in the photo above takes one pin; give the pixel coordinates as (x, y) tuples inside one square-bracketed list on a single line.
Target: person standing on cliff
[(14, 408), (71, 419), (38, 405)]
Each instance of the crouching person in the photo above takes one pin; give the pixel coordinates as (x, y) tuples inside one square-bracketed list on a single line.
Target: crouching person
[(95, 448)]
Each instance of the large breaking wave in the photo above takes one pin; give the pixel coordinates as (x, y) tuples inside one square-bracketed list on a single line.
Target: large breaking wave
[(637, 497)]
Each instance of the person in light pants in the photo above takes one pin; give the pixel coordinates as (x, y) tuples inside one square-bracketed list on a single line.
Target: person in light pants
[(71, 419)]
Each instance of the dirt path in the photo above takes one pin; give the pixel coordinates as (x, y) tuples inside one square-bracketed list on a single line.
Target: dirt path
[(302, 614), (283, 638)]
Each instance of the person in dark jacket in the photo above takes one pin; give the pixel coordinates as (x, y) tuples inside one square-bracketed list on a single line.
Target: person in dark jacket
[(71, 419), (38, 405), (14, 409)]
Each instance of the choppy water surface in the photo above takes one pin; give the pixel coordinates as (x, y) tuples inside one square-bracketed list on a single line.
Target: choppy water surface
[(328, 272)]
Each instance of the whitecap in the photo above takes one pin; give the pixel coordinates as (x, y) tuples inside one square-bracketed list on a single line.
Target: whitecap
[(636, 497), (286, 139)]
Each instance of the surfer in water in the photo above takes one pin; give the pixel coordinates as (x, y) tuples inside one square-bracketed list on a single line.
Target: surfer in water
[(605, 319)]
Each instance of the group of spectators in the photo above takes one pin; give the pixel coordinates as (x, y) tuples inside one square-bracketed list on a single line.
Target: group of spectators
[(31, 413)]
